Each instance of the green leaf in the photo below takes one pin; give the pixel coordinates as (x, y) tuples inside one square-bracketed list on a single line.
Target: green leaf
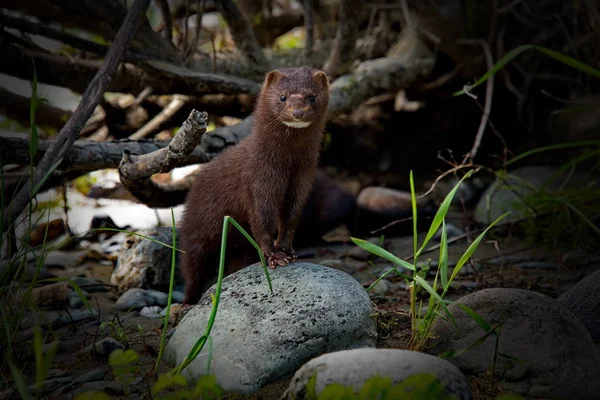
[(440, 215), (570, 61), (471, 249), (475, 317), (558, 146), (386, 273), (413, 199), (443, 260), (19, 381), (166, 381), (423, 283), (378, 251)]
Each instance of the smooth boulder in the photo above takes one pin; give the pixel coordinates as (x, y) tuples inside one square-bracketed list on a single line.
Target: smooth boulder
[(558, 354), (355, 367), (260, 336), (583, 299)]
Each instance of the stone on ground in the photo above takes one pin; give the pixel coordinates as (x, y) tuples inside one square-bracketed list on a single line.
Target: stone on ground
[(560, 358), (259, 337), (583, 299), (355, 367)]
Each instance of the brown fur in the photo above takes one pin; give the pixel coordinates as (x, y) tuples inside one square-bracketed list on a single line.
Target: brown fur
[(263, 182)]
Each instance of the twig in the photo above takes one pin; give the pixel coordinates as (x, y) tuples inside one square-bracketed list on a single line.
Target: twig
[(450, 171), (309, 27), (144, 94), (488, 96), (24, 25), (166, 14), (242, 33), (344, 46), (84, 110), (194, 46), (175, 105), (410, 24), (135, 172)]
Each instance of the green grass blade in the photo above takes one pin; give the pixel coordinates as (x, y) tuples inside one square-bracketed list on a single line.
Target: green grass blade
[(585, 219), (423, 283), (471, 249), (570, 61), (443, 260), (386, 273), (557, 146), (19, 381), (441, 213), (169, 299), (49, 173), (33, 105), (413, 199), (475, 317), (378, 251), (508, 57)]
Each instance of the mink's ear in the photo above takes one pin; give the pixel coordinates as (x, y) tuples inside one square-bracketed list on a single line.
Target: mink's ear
[(322, 78), (272, 77)]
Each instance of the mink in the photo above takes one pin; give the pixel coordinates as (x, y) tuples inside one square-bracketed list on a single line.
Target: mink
[(263, 182)]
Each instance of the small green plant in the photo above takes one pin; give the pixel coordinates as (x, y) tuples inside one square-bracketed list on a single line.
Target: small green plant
[(422, 324), (116, 330)]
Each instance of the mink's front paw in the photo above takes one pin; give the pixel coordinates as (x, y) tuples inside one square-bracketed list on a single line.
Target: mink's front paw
[(280, 258)]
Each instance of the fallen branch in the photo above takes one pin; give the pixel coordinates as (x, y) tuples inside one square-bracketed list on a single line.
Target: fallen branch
[(135, 172), (75, 74), (242, 33), (344, 48), (83, 112), (175, 105)]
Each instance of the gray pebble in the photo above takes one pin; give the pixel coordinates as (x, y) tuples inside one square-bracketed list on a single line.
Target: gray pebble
[(382, 287), (50, 385), (104, 346), (537, 265), (160, 298), (90, 376), (89, 284), (134, 299), (151, 312), (178, 297)]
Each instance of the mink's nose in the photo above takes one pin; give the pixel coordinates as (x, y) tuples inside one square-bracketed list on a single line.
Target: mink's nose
[(298, 113)]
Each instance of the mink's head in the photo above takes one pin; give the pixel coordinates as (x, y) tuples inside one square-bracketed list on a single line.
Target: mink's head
[(295, 97)]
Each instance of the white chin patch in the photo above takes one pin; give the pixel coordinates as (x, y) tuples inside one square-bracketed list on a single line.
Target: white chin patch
[(299, 124)]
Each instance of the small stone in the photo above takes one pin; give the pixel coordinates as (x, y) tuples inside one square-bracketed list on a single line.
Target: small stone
[(537, 265), (160, 298), (178, 297), (89, 285), (151, 312), (104, 346), (382, 287), (54, 295), (90, 376), (354, 367), (50, 385), (134, 299), (109, 387)]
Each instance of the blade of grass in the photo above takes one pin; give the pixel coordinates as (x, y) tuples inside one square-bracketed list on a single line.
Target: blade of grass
[(386, 273), (413, 199), (475, 317), (378, 251), (471, 249), (423, 283), (570, 61), (441, 213), (558, 146), (443, 260), (169, 299)]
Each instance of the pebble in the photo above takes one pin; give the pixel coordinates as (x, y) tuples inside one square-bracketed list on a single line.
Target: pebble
[(134, 299), (90, 376), (104, 346), (177, 297), (160, 298), (382, 287), (90, 285), (50, 385), (537, 265), (151, 312)]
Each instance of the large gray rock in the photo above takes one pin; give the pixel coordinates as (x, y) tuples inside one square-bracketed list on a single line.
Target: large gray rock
[(560, 358), (510, 194), (583, 299), (355, 367), (259, 337), (145, 264)]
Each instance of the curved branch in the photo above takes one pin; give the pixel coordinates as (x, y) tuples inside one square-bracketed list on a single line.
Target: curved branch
[(242, 33), (82, 113), (344, 48)]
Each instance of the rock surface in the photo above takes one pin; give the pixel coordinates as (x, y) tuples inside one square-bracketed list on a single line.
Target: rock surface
[(354, 367), (500, 198), (560, 358), (583, 299), (143, 263), (259, 337)]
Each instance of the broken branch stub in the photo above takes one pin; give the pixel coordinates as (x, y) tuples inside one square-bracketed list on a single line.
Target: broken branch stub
[(135, 171)]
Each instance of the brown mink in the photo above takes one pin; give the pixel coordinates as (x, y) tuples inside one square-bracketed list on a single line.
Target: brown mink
[(262, 182)]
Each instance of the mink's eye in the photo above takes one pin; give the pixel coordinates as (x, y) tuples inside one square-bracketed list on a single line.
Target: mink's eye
[(312, 99), (282, 98)]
